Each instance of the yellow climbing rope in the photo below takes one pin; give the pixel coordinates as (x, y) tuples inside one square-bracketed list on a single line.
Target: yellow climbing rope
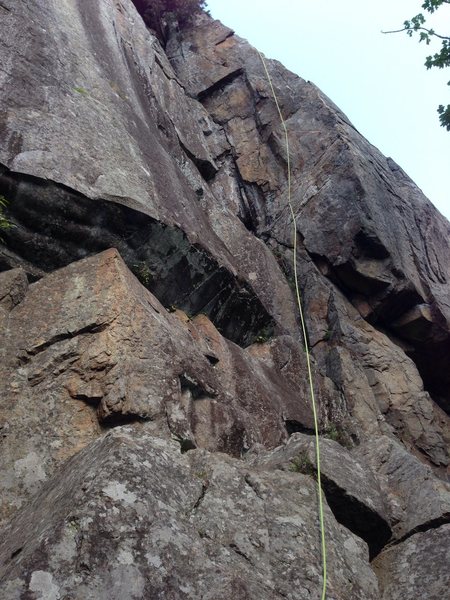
[(305, 339)]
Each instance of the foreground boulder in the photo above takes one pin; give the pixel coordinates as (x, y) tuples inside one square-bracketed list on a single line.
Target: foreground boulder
[(131, 517), (417, 568)]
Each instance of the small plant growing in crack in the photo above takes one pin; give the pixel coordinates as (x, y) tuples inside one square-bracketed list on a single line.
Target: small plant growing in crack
[(327, 335), (302, 464), (73, 524), (5, 223), (290, 278), (80, 90), (278, 256), (203, 534), (264, 335), (337, 434), (143, 273)]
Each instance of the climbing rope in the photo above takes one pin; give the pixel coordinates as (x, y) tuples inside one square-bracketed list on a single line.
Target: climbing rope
[(305, 338)]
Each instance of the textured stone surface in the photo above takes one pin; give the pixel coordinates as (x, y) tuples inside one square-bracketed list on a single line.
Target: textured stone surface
[(176, 270), (90, 347), (205, 181), (351, 490), (417, 499), (381, 387), (381, 383), (417, 568), (130, 517), (13, 287)]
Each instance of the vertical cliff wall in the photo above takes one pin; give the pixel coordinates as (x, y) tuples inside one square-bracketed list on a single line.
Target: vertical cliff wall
[(128, 375)]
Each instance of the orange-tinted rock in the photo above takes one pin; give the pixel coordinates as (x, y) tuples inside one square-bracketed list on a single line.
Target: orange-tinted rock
[(89, 347)]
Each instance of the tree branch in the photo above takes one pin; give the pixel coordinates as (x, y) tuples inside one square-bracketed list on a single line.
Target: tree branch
[(395, 30), (429, 31)]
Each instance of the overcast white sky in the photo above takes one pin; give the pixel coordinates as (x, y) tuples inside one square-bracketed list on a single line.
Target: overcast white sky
[(379, 81)]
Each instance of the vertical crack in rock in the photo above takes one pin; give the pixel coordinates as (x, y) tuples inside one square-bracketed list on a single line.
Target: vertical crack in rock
[(358, 518), (198, 502)]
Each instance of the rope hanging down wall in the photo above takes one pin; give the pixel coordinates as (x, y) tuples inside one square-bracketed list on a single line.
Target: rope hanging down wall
[(305, 338)]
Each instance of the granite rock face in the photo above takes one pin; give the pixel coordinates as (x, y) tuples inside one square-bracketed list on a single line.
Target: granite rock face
[(363, 222), (132, 155), (349, 202), (155, 419)]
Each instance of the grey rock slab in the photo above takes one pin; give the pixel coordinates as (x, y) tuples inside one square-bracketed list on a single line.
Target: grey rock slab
[(417, 569), (82, 80), (417, 499), (13, 287), (352, 491), (130, 517)]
